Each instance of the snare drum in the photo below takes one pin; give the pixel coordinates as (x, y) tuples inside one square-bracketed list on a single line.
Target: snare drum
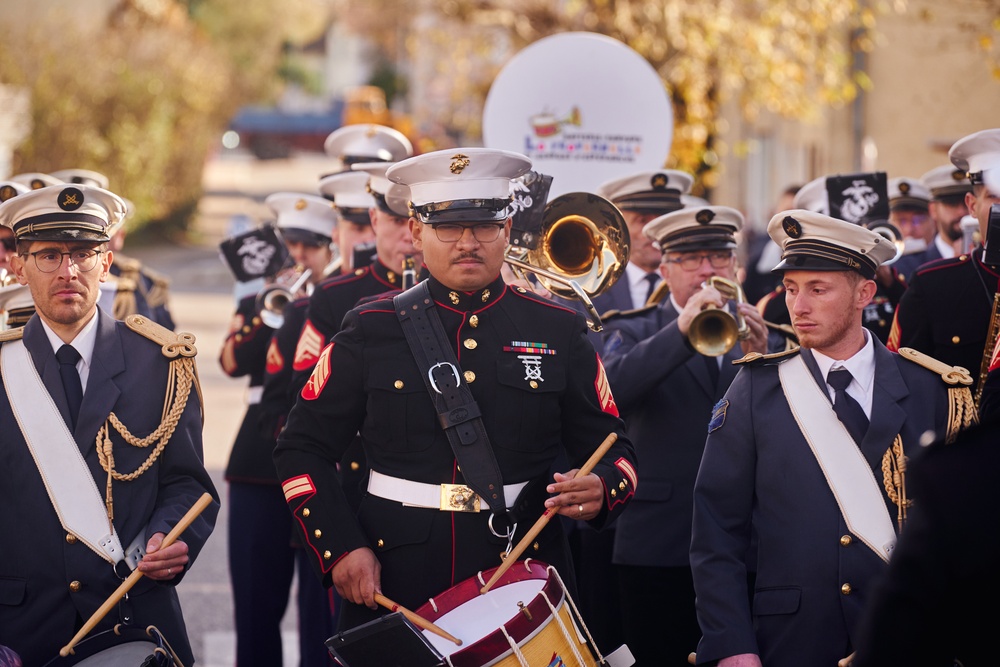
[(120, 647), (524, 619)]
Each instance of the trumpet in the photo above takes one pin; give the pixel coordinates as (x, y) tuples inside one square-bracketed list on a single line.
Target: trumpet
[(272, 298), (714, 331), (583, 249)]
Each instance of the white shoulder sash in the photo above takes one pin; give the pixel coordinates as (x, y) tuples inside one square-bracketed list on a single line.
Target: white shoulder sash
[(845, 468), (68, 481)]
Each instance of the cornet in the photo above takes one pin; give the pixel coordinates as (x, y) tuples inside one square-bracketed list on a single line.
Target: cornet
[(272, 298), (714, 331)]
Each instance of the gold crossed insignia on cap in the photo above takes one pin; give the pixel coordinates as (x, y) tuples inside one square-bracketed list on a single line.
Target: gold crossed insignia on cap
[(458, 163), (300, 204), (959, 175), (70, 199), (791, 227), (7, 192), (704, 216), (659, 181), (904, 187)]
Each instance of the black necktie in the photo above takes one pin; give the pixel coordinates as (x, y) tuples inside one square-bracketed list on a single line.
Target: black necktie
[(652, 279), (712, 363), (848, 410), (67, 357)]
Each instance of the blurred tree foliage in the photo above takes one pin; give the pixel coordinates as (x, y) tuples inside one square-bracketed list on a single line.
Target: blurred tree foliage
[(144, 97), (786, 57)]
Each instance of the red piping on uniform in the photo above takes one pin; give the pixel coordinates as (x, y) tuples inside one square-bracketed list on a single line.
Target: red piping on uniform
[(327, 284), (534, 298), (374, 310)]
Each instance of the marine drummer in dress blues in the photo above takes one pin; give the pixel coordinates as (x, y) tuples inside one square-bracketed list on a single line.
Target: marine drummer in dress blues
[(516, 354)]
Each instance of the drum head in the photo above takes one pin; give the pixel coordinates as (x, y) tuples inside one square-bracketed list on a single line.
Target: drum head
[(122, 647)]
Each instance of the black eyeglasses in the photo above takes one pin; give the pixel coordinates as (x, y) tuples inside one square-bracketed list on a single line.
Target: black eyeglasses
[(719, 259), (484, 232), (47, 261)]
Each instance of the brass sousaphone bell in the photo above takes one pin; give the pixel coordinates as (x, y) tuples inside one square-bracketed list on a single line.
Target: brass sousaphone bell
[(714, 331), (582, 249)]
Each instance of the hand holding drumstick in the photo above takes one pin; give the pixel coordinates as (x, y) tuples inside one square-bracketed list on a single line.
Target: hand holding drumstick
[(573, 501)]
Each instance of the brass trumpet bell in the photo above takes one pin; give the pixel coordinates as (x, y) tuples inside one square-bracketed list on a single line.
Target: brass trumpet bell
[(583, 249), (272, 299), (714, 331)]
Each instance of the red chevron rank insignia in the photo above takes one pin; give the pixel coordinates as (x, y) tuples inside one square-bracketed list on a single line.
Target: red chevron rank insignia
[(308, 348), (320, 374), (275, 362), (604, 390)]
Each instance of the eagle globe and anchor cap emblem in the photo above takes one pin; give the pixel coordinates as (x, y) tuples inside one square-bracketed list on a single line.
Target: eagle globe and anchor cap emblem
[(459, 162)]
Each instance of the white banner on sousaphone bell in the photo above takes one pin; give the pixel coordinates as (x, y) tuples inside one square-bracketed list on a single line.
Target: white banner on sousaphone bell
[(584, 107)]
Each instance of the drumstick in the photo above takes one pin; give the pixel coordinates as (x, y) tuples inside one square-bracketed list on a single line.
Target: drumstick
[(133, 578), (547, 514), (419, 621)]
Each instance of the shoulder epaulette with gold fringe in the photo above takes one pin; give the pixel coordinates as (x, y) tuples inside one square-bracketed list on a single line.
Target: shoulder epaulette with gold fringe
[(758, 358), (617, 314), (11, 334), (962, 412), (173, 343)]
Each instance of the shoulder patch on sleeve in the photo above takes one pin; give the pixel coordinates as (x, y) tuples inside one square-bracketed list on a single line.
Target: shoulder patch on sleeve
[(173, 344), (603, 388), (952, 375), (758, 359), (718, 415), (308, 348), (320, 374)]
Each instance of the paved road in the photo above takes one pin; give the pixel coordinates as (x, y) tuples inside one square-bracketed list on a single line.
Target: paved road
[(202, 303)]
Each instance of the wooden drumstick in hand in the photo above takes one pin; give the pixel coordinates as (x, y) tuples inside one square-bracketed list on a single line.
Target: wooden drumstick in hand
[(133, 578), (547, 514), (417, 620)]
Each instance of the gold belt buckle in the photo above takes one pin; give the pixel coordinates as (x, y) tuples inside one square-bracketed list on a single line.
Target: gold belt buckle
[(459, 498)]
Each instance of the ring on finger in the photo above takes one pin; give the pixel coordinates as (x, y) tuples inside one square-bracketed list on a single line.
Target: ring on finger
[(579, 508), (169, 571)]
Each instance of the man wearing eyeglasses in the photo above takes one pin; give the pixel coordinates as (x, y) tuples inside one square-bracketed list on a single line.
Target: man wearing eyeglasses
[(527, 364), (663, 386), (82, 394)]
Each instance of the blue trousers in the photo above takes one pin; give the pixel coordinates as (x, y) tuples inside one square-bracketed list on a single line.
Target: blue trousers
[(262, 562)]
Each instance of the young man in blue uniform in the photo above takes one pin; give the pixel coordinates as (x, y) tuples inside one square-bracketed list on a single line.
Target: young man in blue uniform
[(805, 461), (119, 398), (665, 392), (519, 355)]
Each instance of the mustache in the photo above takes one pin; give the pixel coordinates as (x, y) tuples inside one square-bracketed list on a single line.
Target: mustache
[(467, 256)]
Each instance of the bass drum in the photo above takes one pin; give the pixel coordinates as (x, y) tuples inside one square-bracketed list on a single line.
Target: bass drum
[(121, 647), (524, 619)]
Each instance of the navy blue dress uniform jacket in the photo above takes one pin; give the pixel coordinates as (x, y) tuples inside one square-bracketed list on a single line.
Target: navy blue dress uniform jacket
[(665, 395), (759, 478), (328, 305), (368, 381), (945, 311), (243, 354), (278, 397), (39, 611)]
